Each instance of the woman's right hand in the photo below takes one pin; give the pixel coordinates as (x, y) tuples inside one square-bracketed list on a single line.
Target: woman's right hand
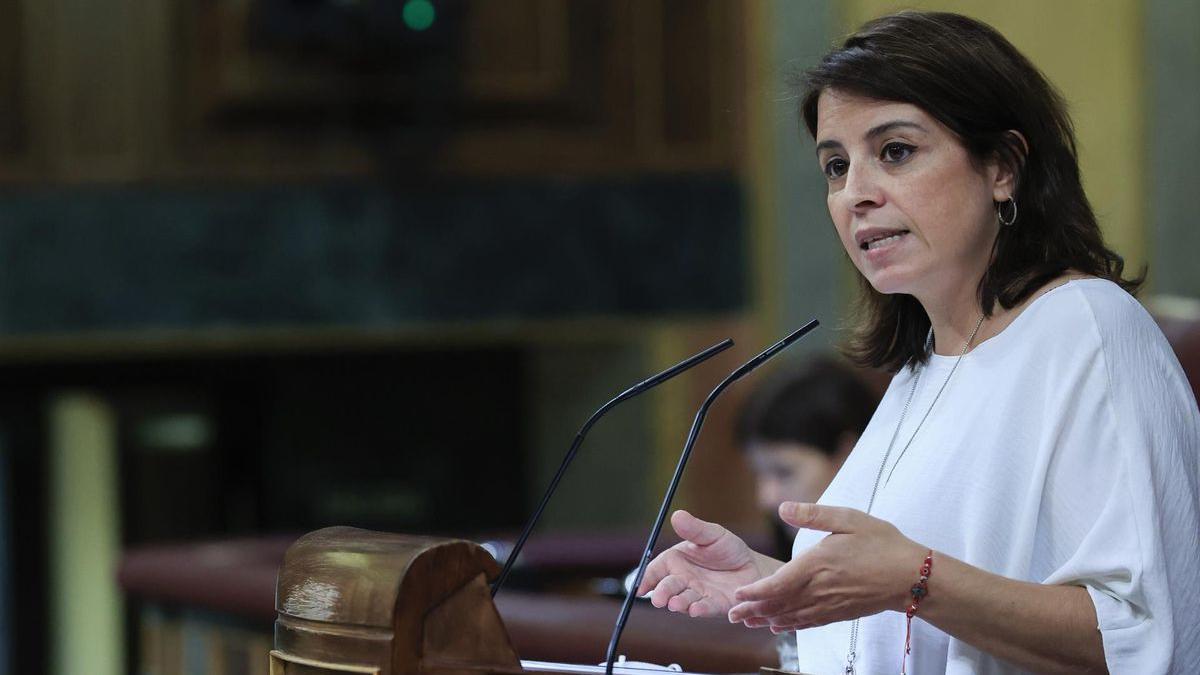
[(699, 575)]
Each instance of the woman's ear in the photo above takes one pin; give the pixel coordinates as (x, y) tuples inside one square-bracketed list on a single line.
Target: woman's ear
[(1009, 161)]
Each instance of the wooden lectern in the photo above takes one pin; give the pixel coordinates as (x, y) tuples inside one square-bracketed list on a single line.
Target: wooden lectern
[(356, 601), (372, 603)]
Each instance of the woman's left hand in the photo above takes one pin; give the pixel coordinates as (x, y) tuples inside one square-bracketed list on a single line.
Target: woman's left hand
[(865, 566)]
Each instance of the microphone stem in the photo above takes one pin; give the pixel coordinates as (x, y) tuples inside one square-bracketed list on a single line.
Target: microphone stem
[(659, 520), (643, 386), (537, 514), (693, 433)]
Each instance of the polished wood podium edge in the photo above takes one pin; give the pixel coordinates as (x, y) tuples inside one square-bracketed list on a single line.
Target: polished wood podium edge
[(277, 657), (357, 601)]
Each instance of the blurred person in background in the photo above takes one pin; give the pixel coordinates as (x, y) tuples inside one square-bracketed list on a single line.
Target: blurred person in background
[(796, 431)]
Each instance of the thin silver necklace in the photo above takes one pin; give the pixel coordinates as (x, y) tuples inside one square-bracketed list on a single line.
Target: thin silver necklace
[(851, 653)]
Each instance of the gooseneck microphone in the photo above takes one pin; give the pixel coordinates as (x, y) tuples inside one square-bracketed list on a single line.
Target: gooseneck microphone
[(741, 372), (640, 387)]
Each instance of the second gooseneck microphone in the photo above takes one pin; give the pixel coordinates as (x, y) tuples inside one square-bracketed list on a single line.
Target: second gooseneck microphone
[(741, 372), (629, 393)]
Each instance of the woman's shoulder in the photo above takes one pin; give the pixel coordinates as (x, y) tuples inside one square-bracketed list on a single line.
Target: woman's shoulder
[(1074, 317), (1092, 300), (1099, 313), (1113, 312), (1105, 294)]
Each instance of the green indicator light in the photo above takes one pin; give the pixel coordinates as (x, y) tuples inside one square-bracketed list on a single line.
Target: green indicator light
[(418, 14)]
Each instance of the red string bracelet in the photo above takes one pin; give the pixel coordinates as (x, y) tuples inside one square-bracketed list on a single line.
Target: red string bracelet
[(919, 590)]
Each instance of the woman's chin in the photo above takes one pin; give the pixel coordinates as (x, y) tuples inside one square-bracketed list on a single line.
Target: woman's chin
[(887, 284)]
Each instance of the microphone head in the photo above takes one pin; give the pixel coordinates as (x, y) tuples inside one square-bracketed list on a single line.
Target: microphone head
[(774, 349)]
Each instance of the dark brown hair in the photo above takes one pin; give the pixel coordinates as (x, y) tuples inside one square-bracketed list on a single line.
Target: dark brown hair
[(815, 405), (970, 78)]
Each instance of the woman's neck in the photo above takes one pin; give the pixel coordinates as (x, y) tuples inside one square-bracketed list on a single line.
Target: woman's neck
[(954, 320)]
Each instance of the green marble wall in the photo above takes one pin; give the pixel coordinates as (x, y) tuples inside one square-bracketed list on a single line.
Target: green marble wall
[(808, 265), (366, 256), (1172, 47)]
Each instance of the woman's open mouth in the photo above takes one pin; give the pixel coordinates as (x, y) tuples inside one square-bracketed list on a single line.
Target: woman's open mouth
[(882, 240)]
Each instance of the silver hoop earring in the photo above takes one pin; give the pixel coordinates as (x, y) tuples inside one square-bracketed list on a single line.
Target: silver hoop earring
[(1006, 222)]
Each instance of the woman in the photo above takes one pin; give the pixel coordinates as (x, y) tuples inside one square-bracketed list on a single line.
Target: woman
[(1028, 488)]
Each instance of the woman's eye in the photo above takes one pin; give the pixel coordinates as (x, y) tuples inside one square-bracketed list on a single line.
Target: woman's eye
[(835, 167), (896, 152)]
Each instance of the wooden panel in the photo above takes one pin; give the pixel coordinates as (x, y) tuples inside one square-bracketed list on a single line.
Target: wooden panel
[(687, 79), (14, 100), (12, 115), (89, 115), (87, 98), (700, 79), (249, 91), (248, 55), (274, 89), (526, 85), (516, 50)]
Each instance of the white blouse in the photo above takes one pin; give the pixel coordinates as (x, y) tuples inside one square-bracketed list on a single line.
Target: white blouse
[(1063, 451)]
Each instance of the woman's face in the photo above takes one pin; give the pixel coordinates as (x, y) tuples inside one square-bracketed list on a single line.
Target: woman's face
[(786, 471), (914, 213)]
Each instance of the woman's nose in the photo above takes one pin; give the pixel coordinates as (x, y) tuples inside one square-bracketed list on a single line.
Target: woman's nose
[(861, 190), (769, 498)]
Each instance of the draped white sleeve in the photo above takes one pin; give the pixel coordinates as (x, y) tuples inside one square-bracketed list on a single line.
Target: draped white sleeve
[(1063, 451), (1139, 556)]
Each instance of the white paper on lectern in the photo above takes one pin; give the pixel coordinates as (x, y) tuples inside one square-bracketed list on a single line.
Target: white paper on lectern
[(639, 669)]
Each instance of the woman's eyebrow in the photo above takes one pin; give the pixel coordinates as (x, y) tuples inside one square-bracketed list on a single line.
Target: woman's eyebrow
[(877, 130), (827, 144), (880, 129)]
